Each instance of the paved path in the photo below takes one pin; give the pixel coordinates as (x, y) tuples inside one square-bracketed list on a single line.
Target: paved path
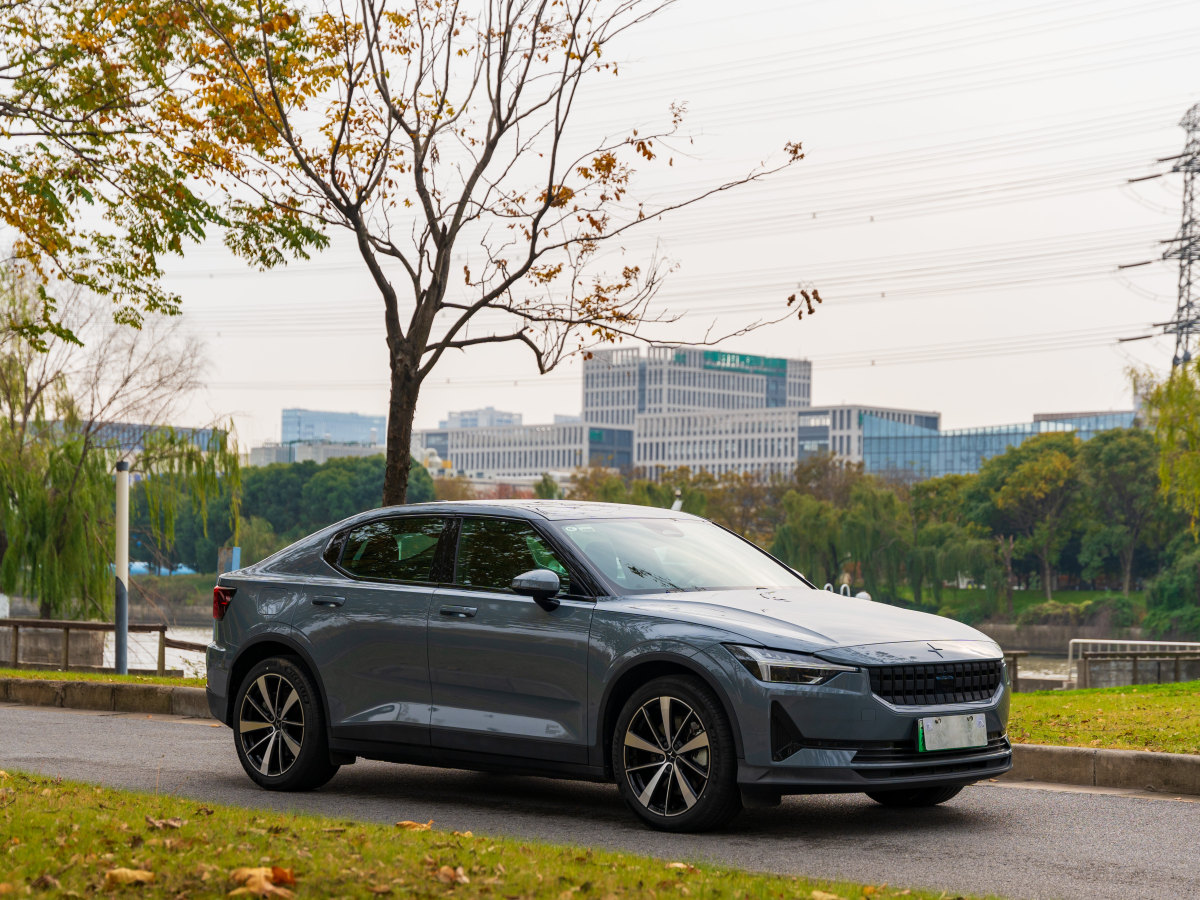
[(1014, 841)]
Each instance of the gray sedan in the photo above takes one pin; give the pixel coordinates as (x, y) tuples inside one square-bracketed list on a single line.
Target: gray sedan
[(588, 640)]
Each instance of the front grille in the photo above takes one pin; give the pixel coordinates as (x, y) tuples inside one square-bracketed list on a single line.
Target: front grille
[(935, 684)]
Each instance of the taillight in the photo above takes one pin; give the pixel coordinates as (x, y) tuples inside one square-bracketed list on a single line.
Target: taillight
[(221, 598)]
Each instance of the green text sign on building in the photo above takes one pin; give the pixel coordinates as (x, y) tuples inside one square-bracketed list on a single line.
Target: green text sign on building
[(744, 363)]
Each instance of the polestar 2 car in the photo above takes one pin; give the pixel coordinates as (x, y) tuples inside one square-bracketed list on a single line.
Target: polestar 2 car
[(646, 647)]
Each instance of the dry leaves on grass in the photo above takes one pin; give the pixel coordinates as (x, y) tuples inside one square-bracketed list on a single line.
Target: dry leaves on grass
[(825, 895), (262, 881), (119, 877), (160, 824), (447, 875), (687, 867), (415, 826)]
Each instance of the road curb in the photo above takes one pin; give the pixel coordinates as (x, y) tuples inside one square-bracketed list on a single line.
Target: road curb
[(154, 699), (1169, 773)]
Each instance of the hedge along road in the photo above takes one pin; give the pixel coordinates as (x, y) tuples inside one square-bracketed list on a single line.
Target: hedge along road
[(991, 839)]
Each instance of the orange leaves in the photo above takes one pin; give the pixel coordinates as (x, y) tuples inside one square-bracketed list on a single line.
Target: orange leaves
[(808, 301), (558, 196), (264, 881), (159, 824), (120, 877), (793, 150), (415, 826)]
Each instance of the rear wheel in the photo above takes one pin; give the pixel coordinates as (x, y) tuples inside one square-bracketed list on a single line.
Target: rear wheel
[(915, 797), (279, 729), (674, 758)]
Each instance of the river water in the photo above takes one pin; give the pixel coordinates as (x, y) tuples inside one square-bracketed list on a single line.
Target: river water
[(143, 651)]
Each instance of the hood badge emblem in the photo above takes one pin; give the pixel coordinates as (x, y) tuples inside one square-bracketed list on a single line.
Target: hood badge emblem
[(934, 649)]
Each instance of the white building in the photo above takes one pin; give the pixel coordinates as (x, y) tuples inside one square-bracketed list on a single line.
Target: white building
[(488, 417), (620, 385), (527, 451)]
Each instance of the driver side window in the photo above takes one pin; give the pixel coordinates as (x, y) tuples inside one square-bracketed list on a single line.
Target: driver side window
[(492, 552)]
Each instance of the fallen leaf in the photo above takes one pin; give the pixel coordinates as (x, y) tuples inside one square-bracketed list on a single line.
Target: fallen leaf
[(447, 875), (42, 882), (825, 895), (459, 833), (687, 867), (5, 887), (3, 775), (116, 877), (260, 882), (415, 826)]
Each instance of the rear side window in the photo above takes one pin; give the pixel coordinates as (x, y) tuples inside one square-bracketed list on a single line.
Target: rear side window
[(492, 552), (396, 549)]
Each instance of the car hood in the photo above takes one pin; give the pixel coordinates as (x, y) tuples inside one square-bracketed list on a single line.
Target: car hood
[(821, 622)]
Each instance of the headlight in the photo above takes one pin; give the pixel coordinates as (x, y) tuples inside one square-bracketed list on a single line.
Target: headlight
[(784, 667)]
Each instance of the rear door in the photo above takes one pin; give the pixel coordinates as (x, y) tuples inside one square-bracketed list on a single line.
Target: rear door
[(368, 634), (508, 676)]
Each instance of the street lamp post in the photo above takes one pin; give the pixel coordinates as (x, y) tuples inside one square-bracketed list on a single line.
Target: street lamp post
[(122, 569)]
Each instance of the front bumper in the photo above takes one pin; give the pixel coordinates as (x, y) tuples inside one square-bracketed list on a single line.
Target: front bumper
[(840, 736)]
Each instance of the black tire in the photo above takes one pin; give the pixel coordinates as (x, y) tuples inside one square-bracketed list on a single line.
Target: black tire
[(279, 728), (915, 797), (668, 786)]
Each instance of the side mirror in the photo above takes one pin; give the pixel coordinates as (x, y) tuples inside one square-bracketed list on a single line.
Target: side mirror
[(540, 584)]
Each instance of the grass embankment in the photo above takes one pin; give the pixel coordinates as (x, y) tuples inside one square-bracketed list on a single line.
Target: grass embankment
[(71, 839), (52, 675), (1162, 717), (175, 590), (975, 605)]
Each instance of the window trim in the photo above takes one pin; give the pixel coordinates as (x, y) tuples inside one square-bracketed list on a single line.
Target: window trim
[(437, 571)]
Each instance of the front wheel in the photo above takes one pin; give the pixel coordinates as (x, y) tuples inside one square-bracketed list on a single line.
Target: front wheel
[(916, 797), (674, 757), (280, 730)]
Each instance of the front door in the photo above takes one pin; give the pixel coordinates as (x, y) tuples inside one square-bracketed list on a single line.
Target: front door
[(367, 631), (508, 676)]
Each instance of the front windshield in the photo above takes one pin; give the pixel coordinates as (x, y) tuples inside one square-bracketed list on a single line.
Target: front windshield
[(653, 555)]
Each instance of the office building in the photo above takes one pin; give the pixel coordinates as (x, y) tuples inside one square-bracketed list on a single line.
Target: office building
[(333, 427), (764, 441), (488, 417), (914, 451), (620, 385), (525, 452)]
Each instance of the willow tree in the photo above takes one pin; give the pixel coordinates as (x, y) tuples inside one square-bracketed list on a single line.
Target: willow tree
[(445, 139), (92, 191), (61, 406)]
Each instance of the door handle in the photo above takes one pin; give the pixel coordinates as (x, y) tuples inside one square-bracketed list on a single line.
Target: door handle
[(328, 601), (459, 612)]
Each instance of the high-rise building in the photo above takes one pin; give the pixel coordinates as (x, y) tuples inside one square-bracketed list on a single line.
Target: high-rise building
[(620, 385)]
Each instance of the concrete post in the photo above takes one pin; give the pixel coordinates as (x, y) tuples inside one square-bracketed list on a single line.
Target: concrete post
[(122, 606)]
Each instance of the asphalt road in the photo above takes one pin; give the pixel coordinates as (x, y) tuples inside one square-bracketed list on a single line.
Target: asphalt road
[(1017, 842)]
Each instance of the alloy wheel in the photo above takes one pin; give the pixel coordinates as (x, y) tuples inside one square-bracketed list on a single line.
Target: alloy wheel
[(666, 756), (271, 724)]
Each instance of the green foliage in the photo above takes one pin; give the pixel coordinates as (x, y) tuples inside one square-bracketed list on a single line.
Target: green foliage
[(810, 537), (1173, 409), (1114, 612), (280, 503), (56, 465), (547, 488)]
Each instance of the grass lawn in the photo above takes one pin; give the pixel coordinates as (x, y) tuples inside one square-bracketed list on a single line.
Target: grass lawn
[(51, 675), (70, 839), (1163, 717)]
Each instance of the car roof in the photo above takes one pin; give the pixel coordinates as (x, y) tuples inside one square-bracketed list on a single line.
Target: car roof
[(544, 509)]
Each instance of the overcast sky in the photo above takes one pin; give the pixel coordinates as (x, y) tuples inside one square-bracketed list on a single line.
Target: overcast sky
[(963, 208)]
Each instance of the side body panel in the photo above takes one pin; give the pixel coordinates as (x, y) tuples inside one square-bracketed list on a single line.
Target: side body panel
[(508, 676)]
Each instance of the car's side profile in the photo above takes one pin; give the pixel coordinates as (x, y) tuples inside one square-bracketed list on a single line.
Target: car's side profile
[(612, 643)]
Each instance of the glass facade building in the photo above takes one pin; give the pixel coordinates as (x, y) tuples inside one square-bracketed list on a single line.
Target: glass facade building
[(336, 427), (914, 452)]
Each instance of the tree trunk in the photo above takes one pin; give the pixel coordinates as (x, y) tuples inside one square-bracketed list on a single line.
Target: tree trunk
[(1046, 575), (402, 406), (1126, 571), (1006, 553)]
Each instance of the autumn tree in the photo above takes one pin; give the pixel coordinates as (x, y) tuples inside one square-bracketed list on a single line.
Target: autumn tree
[(91, 184), (1172, 408), (446, 141)]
